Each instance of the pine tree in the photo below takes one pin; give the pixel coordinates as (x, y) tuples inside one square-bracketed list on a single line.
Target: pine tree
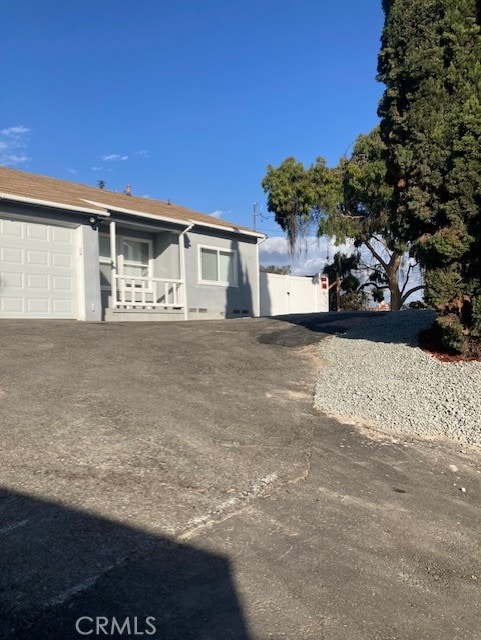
[(430, 62)]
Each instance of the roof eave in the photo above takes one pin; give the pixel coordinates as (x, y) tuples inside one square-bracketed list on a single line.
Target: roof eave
[(52, 205), (178, 221), (139, 214)]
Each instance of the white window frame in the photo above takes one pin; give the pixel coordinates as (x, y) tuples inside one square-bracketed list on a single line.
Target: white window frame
[(122, 262), (107, 261), (218, 250)]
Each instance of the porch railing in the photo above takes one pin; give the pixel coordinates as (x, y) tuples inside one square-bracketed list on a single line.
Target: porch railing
[(137, 292)]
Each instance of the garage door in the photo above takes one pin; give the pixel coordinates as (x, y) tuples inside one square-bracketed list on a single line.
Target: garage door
[(37, 270)]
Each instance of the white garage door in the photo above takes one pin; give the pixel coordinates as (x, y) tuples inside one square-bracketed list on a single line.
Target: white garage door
[(37, 270)]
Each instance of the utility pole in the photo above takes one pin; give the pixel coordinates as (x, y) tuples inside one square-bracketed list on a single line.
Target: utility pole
[(255, 213)]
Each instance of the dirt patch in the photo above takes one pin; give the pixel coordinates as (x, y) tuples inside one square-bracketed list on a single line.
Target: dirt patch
[(368, 428)]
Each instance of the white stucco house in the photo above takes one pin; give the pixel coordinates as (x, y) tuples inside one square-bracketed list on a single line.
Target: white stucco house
[(77, 252)]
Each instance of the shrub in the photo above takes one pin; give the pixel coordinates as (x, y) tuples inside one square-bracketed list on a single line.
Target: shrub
[(451, 331)]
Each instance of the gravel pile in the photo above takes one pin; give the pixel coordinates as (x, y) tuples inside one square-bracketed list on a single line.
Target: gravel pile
[(377, 373)]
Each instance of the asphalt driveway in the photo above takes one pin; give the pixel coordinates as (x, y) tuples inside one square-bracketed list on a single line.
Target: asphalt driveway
[(176, 476)]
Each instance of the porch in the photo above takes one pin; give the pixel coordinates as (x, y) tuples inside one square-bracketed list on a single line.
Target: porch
[(142, 274)]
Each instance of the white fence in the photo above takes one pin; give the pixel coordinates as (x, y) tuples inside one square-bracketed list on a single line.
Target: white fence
[(281, 295)]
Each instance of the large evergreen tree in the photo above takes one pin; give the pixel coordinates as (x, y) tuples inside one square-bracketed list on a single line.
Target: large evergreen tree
[(430, 62)]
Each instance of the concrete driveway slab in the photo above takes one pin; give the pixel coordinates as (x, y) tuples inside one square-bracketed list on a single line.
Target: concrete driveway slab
[(178, 472)]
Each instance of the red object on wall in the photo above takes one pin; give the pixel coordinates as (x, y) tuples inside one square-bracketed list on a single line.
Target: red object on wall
[(324, 283)]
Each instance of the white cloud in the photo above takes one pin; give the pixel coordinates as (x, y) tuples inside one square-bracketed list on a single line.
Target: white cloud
[(143, 153), (13, 132), (219, 213), (114, 156), (12, 142), (310, 259), (275, 245), (12, 159), (74, 171), (97, 168)]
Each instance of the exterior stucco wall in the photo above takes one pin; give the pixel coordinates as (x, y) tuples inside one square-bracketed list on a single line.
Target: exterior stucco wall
[(166, 255), (214, 301), (42, 214), (89, 280)]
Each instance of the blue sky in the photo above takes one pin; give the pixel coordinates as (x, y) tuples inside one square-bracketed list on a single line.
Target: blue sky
[(185, 99)]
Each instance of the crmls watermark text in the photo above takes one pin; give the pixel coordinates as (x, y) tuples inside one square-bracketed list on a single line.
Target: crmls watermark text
[(103, 626)]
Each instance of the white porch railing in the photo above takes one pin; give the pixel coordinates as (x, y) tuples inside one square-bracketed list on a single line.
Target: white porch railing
[(136, 292)]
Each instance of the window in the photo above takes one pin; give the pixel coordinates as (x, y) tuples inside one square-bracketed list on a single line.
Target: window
[(135, 258), (105, 262), (136, 261), (217, 266)]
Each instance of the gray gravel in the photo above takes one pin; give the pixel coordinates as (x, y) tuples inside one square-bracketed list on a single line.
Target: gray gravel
[(376, 373)]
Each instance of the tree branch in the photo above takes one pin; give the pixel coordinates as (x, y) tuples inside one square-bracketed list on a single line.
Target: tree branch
[(395, 260), (383, 242), (408, 293), (376, 254), (374, 284), (406, 279), (372, 268)]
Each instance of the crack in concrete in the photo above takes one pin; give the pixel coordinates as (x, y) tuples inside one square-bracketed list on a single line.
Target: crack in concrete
[(221, 513), (260, 489)]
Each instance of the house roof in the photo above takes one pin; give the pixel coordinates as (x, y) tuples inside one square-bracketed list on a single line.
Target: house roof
[(44, 191)]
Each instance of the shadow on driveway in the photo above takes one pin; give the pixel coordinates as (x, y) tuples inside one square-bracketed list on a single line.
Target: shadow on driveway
[(60, 566), (304, 329)]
